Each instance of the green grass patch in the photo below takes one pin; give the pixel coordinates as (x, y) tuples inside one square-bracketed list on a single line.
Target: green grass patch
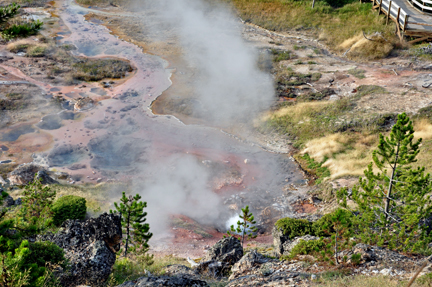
[(279, 55), (358, 73), (365, 90), (290, 78), (314, 168), (333, 23)]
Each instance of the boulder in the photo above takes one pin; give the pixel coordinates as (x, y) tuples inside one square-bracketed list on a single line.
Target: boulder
[(279, 238), (221, 257), (157, 281), (290, 244), (227, 250), (89, 247), (247, 262), (26, 172)]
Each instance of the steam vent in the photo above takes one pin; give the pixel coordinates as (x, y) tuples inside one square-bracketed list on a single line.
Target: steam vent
[(204, 143)]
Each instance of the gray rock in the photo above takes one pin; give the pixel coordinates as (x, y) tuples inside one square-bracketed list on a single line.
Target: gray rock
[(89, 247), (26, 172), (289, 245), (247, 262), (159, 281), (226, 250), (279, 238), (221, 257)]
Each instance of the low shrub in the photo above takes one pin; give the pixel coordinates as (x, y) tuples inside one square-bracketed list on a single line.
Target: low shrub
[(69, 207), (32, 263), (308, 247), (294, 227), (98, 69), (21, 30)]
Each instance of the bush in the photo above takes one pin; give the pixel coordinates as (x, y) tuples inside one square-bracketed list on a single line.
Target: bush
[(69, 207), (293, 227), (308, 247), (319, 226), (32, 262), (22, 30)]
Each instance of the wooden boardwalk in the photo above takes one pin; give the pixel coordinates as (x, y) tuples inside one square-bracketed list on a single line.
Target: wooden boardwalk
[(408, 16)]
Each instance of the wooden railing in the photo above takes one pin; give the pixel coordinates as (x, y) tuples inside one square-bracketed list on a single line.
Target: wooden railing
[(393, 12), (422, 4)]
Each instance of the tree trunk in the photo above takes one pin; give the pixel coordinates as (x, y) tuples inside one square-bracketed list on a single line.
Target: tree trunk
[(244, 230), (387, 200), (335, 250), (127, 233)]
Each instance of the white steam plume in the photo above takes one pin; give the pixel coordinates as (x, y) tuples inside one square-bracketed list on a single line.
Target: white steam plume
[(228, 84), (179, 186)]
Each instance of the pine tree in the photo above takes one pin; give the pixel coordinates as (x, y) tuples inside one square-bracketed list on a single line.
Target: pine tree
[(339, 227), (393, 202), (133, 220), (245, 226), (36, 213)]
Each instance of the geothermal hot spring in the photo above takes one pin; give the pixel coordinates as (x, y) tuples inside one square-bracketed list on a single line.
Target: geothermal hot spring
[(193, 171)]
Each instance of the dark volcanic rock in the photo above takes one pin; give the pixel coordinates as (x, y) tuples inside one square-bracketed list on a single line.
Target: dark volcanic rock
[(156, 281), (279, 238), (226, 250), (221, 257), (26, 172), (89, 247)]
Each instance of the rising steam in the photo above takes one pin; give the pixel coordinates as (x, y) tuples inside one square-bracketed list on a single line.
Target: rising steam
[(229, 86)]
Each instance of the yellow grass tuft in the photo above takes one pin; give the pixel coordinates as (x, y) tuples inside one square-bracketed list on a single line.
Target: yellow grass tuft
[(349, 154), (323, 147), (423, 129), (376, 48)]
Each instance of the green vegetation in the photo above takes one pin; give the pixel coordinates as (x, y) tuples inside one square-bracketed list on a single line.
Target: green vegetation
[(133, 220), (280, 55), (293, 227), (69, 207), (290, 78), (393, 203), (325, 20), (245, 226), (358, 73), (11, 31), (96, 70), (313, 168), (23, 263), (131, 268)]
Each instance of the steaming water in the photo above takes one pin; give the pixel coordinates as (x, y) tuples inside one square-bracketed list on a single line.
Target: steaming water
[(122, 138)]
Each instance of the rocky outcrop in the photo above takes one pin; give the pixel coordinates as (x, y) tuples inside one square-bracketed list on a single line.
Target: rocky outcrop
[(226, 250), (376, 255), (279, 238), (89, 247), (26, 172), (221, 257), (247, 262), (287, 246), (158, 281)]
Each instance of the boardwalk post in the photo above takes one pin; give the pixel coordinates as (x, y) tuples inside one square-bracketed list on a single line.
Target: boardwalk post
[(405, 22), (389, 11), (379, 8), (397, 18)]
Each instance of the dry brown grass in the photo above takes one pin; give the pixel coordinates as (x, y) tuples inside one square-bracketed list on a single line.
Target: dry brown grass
[(348, 154), (376, 48), (423, 129), (333, 26)]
